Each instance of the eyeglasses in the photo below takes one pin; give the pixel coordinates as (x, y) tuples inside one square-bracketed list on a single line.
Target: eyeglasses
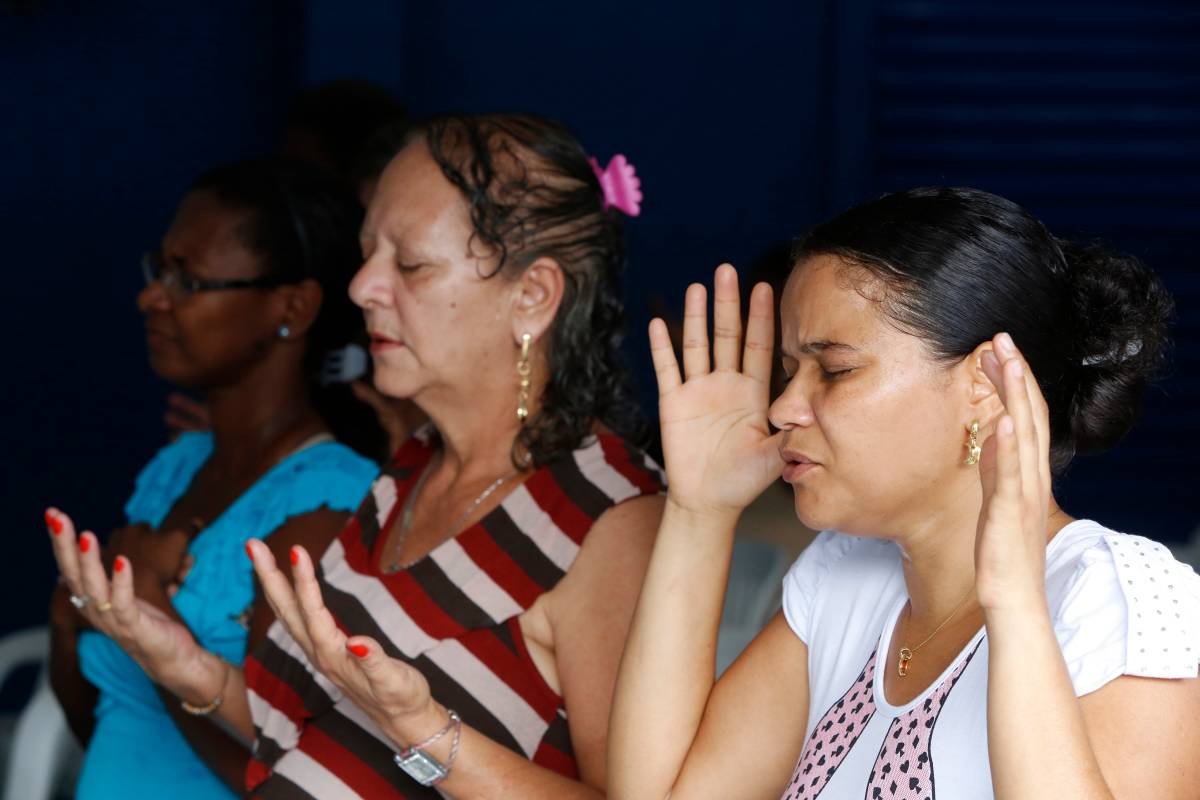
[(180, 284)]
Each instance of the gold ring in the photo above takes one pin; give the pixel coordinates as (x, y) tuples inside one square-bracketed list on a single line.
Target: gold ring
[(105, 606)]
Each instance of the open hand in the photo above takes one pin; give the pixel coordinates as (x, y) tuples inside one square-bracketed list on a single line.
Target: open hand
[(1014, 469), (717, 443), (387, 689), (160, 644)]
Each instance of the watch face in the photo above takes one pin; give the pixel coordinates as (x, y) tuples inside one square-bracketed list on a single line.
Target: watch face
[(424, 769)]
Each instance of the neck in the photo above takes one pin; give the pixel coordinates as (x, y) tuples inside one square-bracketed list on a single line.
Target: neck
[(939, 557), (477, 437), (261, 417)]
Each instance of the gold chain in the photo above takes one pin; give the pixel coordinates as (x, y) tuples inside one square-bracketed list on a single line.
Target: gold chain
[(906, 653)]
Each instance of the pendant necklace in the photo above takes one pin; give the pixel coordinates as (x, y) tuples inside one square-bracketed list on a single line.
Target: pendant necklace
[(906, 654)]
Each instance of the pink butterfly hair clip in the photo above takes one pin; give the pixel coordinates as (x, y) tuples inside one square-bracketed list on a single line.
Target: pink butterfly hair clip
[(621, 185)]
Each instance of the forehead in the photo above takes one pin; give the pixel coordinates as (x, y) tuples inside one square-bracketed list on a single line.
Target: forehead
[(823, 301), (415, 201), (206, 232)]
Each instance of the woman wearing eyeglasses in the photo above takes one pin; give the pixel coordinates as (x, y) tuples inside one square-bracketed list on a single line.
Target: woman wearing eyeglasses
[(245, 304)]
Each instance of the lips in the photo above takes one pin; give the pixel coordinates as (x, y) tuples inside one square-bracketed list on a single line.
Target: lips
[(796, 464), (380, 342)]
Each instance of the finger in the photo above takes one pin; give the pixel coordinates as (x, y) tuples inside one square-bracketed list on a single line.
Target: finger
[(93, 580), (1016, 375), (760, 334), (695, 332), (994, 370), (666, 368), (1039, 411), (66, 552), (727, 319), (278, 592), (327, 638), (124, 606), (1007, 486)]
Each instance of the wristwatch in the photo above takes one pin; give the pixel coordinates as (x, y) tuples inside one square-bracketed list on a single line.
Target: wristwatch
[(424, 768), (421, 767)]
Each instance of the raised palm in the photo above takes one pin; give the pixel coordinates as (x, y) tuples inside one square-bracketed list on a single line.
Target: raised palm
[(719, 450)]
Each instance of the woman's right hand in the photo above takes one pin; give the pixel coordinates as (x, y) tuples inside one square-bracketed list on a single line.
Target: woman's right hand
[(717, 443), (161, 645)]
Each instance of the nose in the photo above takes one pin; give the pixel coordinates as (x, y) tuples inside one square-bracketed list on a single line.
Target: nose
[(371, 286), (792, 408), (153, 297)]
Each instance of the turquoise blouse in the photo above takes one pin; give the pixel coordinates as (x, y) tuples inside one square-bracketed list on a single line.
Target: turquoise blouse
[(136, 751)]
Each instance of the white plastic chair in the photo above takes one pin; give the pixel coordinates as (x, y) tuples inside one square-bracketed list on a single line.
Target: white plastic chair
[(44, 756), (752, 597)]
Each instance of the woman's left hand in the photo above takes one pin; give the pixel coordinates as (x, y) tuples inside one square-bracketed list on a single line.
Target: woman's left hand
[(394, 694), (1014, 469)]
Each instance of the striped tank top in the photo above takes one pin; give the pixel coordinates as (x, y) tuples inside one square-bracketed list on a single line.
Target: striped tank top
[(453, 615)]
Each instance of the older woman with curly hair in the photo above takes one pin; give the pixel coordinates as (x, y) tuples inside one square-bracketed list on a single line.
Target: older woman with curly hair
[(464, 630)]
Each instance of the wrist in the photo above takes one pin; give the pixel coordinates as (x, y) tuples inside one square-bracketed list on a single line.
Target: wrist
[(697, 516), (413, 727)]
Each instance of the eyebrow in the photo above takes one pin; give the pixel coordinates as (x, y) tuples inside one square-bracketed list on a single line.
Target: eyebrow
[(822, 346)]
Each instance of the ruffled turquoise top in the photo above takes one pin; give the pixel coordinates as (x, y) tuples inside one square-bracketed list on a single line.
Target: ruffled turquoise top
[(136, 751)]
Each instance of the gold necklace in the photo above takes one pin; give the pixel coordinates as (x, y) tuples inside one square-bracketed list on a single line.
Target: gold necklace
[(906, 654), (409, 509)]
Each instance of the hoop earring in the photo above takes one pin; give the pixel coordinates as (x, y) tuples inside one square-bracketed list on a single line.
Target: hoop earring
[(973, 448), (524, 370)]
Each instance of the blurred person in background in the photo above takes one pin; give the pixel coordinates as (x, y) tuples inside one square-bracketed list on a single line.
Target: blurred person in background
[(245, 304)]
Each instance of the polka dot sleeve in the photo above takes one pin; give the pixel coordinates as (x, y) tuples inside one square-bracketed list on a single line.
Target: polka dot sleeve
[(1130, 609)]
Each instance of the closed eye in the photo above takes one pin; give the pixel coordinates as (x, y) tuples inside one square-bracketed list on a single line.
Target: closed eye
[(834, 374)]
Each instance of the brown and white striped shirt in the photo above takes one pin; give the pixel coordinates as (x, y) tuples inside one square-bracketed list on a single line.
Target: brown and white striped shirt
[(453, 615)]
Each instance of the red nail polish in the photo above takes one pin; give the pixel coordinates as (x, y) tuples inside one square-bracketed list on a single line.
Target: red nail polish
[(84, 543), (249, 552), (295, 556), (119, 564), (359, 650), (53, 522)]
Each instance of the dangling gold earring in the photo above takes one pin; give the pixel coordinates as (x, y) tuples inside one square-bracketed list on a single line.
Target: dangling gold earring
[(523, 370), (973, 448)]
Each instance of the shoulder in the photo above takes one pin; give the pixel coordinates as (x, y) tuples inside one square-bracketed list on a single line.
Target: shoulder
[(167, 474), (1121, 604), (616, 467), (833, 560)]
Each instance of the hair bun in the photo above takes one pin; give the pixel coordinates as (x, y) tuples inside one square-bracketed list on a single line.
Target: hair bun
[(1121, 312)]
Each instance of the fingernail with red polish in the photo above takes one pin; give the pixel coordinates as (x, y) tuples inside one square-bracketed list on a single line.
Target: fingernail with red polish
[(53, 522), (249, 552), (84, 543), (119, 564), (294, 554), (359, 650)]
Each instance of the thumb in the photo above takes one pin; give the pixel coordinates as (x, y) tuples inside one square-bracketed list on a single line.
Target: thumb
[(367, 654)]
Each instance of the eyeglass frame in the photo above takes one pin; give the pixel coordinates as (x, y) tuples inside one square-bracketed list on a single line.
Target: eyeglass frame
[(153, 268)]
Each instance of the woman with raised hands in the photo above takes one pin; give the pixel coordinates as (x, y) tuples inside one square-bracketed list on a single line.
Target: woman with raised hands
[(954, 632), (462, 634), (244, 304)]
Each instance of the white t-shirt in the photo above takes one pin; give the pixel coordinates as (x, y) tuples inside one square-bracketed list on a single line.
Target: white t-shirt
[(1121, 605)]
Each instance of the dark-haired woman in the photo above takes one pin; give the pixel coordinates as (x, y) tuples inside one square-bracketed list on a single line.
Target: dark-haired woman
[(463, 632), (954, 633), (243, 303)]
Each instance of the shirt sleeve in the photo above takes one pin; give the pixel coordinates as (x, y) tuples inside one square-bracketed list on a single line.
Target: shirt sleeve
[(1130, 609), (802, 580)]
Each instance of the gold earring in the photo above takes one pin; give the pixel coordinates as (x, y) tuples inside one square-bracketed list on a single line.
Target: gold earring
[(523, 370), (973, 448)]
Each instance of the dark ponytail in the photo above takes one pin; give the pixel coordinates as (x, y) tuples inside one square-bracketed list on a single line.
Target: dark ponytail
[(959, 266)]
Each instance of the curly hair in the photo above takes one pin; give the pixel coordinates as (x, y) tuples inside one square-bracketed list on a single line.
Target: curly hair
[(533, 194)]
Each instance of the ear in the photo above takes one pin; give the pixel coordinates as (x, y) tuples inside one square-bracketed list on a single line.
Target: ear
[(983, 401), (301, 305), (537, 294)]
